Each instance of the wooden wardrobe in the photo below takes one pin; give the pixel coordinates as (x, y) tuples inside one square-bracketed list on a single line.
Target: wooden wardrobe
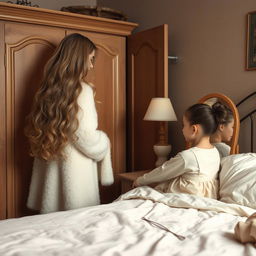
[(28, 37)]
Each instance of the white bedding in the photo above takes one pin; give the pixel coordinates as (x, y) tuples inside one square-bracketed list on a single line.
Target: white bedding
[(118, 228), (238, 179)]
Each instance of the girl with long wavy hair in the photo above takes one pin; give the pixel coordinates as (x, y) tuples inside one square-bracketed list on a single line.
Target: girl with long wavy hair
[(68, 150)]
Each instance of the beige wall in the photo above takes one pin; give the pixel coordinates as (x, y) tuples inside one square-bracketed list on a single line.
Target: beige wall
[(209, 39), (57, 4)]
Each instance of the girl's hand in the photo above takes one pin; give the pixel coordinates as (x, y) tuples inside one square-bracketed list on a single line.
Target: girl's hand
[(135, 184)]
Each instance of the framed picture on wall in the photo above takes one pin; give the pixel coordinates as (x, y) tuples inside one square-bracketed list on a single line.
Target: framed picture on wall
[(251, 41)]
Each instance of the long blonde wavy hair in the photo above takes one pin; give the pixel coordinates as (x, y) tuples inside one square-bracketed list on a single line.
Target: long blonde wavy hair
[(53, 119)]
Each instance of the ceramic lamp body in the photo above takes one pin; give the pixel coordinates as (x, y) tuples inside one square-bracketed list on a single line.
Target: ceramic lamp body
[(162, 152)]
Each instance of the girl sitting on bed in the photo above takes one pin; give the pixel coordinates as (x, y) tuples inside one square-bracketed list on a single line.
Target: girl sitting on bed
[(195, 170), (224, 131)]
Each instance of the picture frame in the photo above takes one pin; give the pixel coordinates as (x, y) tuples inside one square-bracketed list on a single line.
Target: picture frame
[(251, 41)]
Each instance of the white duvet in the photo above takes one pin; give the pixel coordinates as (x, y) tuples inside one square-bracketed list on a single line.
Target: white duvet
[(137, 224)]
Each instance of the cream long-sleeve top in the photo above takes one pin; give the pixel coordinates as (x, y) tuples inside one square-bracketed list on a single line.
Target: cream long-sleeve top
[(187, 172)]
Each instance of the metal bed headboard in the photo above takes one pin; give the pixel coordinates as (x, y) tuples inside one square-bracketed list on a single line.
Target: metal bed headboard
[(249, 116)]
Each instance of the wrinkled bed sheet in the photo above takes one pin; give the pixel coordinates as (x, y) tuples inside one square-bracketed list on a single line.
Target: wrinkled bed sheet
[(119, 228)]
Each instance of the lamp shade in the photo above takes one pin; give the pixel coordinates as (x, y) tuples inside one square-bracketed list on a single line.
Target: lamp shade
[(160, 109)]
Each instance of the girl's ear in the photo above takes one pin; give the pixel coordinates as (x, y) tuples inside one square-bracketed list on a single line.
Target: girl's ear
[(194, 129), (221, 127)]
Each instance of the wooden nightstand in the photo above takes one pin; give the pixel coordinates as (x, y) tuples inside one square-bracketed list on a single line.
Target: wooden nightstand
[(128, 178)]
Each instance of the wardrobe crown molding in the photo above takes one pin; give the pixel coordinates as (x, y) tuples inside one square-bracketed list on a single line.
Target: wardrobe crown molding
[(40, 16)]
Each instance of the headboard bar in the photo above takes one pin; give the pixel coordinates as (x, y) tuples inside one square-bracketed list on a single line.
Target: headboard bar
[(252, 135), (246, 98), (249, 115)]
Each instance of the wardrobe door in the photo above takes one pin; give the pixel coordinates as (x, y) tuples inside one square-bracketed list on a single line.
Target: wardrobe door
[(2, 128), (108, 76), (28, 47), (147, 78)]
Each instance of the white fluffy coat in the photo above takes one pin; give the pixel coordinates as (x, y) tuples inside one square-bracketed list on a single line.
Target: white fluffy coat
[(73, 182)]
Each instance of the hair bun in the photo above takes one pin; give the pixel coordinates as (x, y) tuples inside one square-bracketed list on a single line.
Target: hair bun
[(223, 114)]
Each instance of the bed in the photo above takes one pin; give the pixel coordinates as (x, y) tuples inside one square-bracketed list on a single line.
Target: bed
[(145, 222), (140, 222)]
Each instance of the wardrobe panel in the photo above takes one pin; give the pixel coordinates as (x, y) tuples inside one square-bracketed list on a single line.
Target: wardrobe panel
[(2, 128), (108, 77), (28, 47)]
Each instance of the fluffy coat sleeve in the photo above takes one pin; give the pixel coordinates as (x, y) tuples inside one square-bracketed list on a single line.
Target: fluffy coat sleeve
[(169, 170), (106, 173), (90, 141)]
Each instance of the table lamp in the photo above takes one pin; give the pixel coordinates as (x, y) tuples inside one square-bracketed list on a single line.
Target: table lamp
[(161, 109)]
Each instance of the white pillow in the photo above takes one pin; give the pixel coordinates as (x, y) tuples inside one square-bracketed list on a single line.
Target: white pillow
[(238, 179)]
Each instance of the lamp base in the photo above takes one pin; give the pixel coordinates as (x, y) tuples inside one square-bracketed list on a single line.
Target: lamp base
[(162, 152)]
